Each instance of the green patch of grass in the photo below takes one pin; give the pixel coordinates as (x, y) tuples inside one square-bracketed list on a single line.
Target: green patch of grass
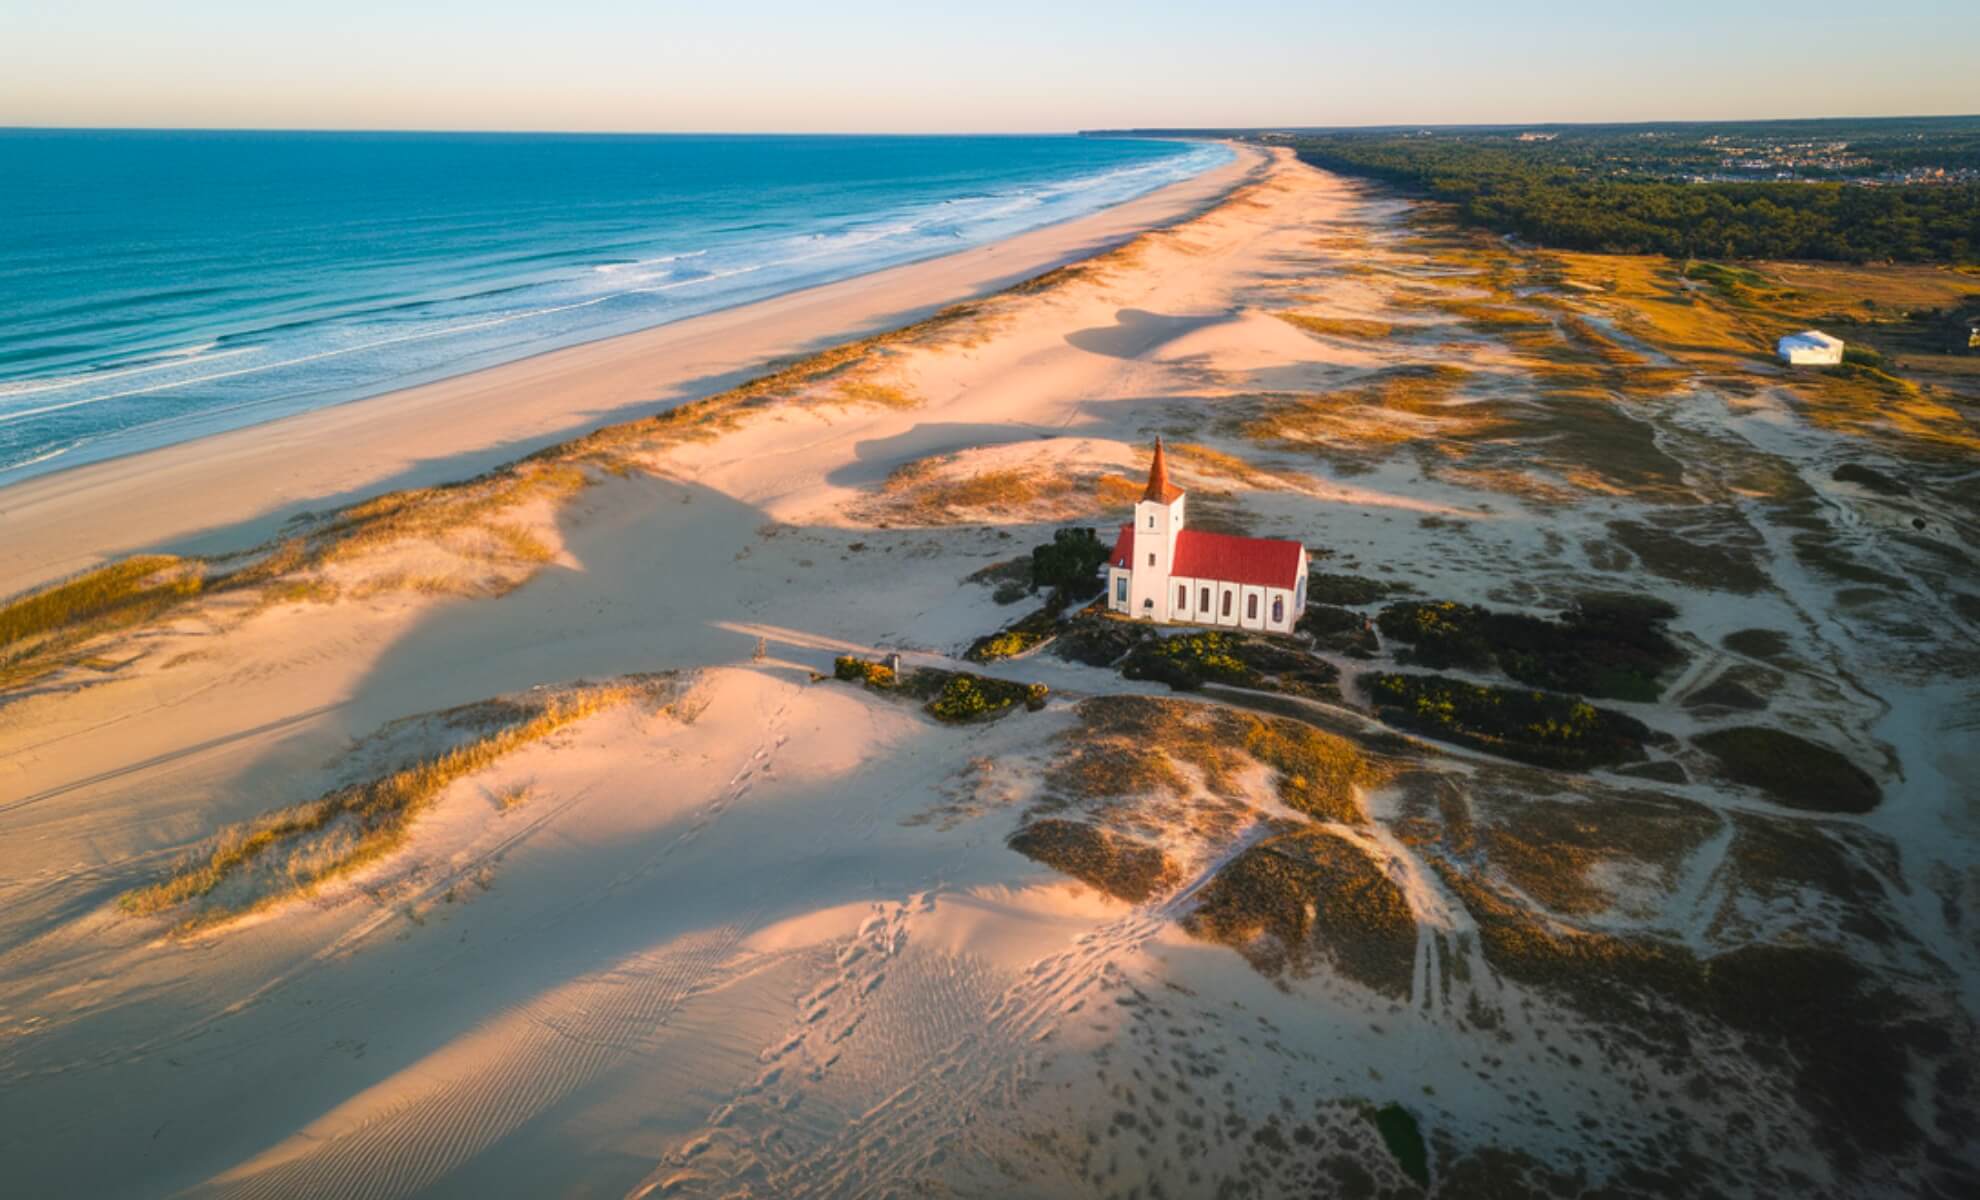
[(1308, 895), (1070, 581), (1323, 587), (1405, 1141), (1809, 1011), (1845, 1036), (1819, 553), (1792, 770), (1188, 661), (1767, 644), (1625, 983), (1134, 745), (1734, 283), (1119, 866), (1341, 630), (1098, 638), (1681, 555), (1730, 690), (1609, 644), (1026, 633), (1551, 849), (1543, 728), (1317, 773)]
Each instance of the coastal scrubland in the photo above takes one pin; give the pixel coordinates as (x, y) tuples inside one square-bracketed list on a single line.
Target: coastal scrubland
[(1603, 829)]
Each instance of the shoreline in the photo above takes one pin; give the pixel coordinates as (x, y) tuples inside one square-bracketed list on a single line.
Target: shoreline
[(234, 489)]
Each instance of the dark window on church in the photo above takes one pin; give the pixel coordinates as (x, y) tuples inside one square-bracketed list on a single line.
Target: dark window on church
[(1227, 604), (1151, 559), (1251, 608), (1182, 596), (1206, 600)]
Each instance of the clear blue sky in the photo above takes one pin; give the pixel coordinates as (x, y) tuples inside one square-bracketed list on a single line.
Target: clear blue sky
[(886, 65)]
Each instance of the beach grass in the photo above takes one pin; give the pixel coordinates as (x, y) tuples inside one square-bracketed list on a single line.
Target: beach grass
[(1354, 329), (41, 631), (292, 852)]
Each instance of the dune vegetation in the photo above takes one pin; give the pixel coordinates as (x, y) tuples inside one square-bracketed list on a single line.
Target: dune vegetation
[(292, 852), (46, 629), (1306, 896)]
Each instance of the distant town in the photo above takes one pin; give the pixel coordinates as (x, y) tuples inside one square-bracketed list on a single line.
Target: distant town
[(1684, 154), (1901, 189)]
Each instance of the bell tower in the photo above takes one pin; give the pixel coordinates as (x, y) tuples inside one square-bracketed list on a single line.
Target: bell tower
[(1158, 518)]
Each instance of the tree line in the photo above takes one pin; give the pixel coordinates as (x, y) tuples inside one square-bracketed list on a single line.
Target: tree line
[(1555, 198)]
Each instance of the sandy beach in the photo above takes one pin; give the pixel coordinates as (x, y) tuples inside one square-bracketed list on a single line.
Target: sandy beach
[(236, 489), (517, 838)]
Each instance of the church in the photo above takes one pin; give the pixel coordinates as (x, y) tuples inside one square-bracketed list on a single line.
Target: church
[(1162, 571)]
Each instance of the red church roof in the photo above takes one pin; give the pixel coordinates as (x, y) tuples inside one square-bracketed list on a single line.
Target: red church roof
[(1222, 557), (1123, 548), (1269, 562)]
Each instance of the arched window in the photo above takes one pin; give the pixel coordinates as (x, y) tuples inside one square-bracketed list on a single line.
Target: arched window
[(1227, 604), (1148, 603), (1251, 608), (1278, 610), (1151, 558), (1205, 606), (1151, 520), (1182, 595)]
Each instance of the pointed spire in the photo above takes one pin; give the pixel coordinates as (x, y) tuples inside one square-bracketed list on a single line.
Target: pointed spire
[(1160, 490)]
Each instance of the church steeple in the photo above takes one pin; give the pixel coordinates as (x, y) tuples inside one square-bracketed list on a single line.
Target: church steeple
[(1160, 490)]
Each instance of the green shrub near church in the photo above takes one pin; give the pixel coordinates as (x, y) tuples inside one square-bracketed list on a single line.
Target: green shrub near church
[(858, 670), (1070, 562), (1544, 728), (1608, 645), (1187, 661), (966, 697)]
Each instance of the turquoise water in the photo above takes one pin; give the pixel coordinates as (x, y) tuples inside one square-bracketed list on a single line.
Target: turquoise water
[(159, 286)]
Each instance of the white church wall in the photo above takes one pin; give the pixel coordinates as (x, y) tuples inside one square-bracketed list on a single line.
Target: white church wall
[(1251, 608), (1280, 614), (1227, 605)]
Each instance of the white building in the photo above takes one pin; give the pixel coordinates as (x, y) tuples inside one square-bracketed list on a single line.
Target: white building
[(1810, 348), (1162, 571)]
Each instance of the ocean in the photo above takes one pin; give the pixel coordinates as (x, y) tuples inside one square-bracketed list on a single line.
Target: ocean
[(161, 286)]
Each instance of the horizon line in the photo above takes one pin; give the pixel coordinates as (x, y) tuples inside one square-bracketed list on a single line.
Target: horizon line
[(1205, 130)]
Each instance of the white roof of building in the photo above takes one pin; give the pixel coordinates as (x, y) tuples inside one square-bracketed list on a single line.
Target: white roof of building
[(1814, 339)]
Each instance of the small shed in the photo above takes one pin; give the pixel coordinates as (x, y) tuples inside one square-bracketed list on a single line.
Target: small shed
[(1810, 348)]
